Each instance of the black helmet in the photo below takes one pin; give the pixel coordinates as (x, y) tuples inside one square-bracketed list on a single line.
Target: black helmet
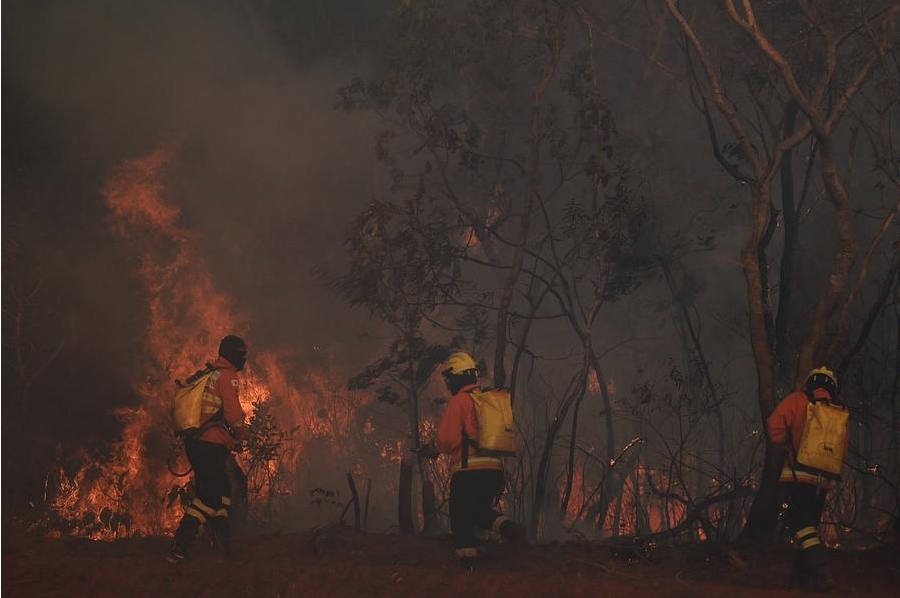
[(234, 350)]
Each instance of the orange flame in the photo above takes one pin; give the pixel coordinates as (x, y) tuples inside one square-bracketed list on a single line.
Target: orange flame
[(185, 315), (126, 493)]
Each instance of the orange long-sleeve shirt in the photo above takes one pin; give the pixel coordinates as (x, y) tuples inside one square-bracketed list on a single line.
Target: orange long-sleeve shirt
[(459, 420), (222, 392), (785, 425)]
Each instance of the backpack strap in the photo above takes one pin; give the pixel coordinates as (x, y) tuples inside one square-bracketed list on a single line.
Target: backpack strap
[(197, 375), (466, 441)]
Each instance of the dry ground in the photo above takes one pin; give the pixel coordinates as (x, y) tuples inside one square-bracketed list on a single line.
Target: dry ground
[(341, 562)]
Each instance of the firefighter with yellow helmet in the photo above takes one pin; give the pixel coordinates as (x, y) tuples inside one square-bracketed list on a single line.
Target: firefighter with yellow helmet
[(477, 479), (805, 481)]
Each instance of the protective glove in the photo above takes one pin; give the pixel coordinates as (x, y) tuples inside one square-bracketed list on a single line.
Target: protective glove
[(239, 432)]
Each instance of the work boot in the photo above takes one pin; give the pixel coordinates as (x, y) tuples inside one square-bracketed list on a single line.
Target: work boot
[(799, 578), (217, 528), (185, 534), (818, 576), (468, 557), (822, 580), (176, 554), (796, 579)]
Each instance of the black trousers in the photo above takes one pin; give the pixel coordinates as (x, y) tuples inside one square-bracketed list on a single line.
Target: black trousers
[(805, 503), (212, 493), (473, 494), (211, 483)]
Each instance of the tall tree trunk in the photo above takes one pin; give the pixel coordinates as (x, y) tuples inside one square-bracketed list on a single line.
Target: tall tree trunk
[(354, 496), (404, 498), (543, 470), (763, 513), (429, 509), (790, 217)]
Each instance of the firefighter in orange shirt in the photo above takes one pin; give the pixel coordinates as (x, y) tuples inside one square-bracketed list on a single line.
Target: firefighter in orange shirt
[(803, 491), (222, 427), (477, 480)]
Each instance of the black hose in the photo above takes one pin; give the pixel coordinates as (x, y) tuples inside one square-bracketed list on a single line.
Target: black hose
[(177, 447)]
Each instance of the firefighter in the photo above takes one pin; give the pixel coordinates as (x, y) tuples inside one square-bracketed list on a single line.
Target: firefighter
[(803, 491), (222, 428), (477, 480)]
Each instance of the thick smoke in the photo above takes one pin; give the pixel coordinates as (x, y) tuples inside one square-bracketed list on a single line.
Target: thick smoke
[(267, 175)]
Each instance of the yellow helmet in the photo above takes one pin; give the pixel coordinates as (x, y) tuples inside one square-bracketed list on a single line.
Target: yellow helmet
[(822, 377), (458, 363)]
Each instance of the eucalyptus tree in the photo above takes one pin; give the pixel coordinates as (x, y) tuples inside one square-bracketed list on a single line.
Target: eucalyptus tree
[(791, 86), (401, 269), (502, 153)]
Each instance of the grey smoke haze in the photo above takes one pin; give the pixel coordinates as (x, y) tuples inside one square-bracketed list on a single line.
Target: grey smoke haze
[(268, 174)]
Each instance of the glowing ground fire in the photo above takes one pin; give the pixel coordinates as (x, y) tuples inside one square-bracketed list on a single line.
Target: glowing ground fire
[(131, 490), (321, 432)]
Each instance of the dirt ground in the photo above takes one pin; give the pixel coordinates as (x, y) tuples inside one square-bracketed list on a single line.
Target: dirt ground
[(339, 561)]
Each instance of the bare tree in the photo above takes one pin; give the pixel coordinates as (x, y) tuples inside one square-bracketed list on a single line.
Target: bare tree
[(809, 61), (498, 132), (26, 312)]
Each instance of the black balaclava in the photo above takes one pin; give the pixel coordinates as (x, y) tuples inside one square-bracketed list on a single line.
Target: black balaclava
[(820, 380), (234, 350), (455, 382)]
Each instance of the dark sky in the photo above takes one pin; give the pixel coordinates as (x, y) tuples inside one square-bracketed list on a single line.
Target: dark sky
[(268, 176)]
